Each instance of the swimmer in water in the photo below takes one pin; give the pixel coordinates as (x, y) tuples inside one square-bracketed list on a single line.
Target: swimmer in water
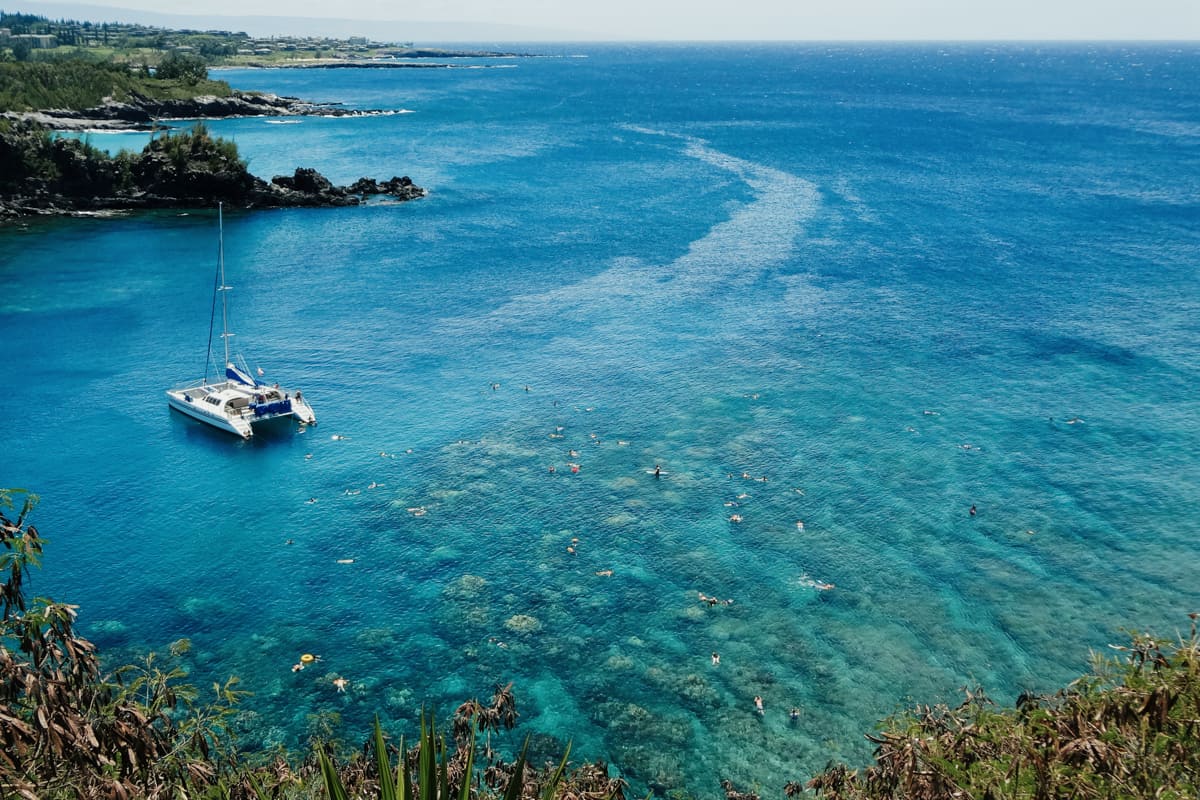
[(716, 658), (758, 705), (815, 584)]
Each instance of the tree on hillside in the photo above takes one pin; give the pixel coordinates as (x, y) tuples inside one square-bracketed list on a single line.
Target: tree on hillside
[(21, 49), (182, 66)]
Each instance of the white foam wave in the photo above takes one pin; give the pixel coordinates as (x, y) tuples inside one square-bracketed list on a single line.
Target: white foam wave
[(365, 114), (115, 131), (758, 235)]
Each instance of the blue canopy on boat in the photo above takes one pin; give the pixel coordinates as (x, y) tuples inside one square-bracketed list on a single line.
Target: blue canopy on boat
[(235, 374)]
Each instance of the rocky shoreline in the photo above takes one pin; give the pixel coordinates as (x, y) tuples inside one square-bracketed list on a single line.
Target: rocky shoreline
[(145, 113), (41, 174)]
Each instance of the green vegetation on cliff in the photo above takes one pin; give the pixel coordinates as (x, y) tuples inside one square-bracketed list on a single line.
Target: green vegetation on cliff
[(41, 173), (71, 727), (1131, 729), (78, 83), (42, 169)]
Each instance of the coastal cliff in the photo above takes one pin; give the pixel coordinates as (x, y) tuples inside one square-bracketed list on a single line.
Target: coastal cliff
[(44, 174), (140, 112)]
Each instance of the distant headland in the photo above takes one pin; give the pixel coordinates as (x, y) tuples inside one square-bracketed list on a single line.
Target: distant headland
[(29, 37), (43, 174), (58, 76), (139, 112)]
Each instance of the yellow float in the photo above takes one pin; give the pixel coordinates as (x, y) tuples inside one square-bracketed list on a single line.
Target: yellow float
[(307, 658)]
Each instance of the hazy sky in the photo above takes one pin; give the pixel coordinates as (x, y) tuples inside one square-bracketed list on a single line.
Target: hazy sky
[(744, 19)]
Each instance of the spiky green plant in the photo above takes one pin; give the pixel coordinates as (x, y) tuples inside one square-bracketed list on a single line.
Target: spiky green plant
[(439, 774), (67, 729)]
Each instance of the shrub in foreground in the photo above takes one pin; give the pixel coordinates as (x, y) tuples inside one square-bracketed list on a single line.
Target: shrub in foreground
[(70, 730), (1129, 730)]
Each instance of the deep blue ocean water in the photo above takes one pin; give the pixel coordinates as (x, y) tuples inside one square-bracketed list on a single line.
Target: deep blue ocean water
[(880, 281)]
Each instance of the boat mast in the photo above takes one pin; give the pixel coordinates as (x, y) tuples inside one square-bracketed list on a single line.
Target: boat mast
[(219, 288), (225, 334)]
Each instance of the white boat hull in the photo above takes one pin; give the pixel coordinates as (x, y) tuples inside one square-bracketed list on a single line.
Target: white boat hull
[(237, 408), (241, 401)]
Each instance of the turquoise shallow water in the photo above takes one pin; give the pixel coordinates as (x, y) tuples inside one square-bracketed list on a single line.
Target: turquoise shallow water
[(883, 278)]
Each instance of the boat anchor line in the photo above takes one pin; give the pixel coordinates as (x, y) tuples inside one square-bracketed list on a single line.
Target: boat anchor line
[(240, 401)]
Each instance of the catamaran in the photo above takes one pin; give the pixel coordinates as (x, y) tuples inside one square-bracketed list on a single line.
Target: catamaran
[(240, 401)]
